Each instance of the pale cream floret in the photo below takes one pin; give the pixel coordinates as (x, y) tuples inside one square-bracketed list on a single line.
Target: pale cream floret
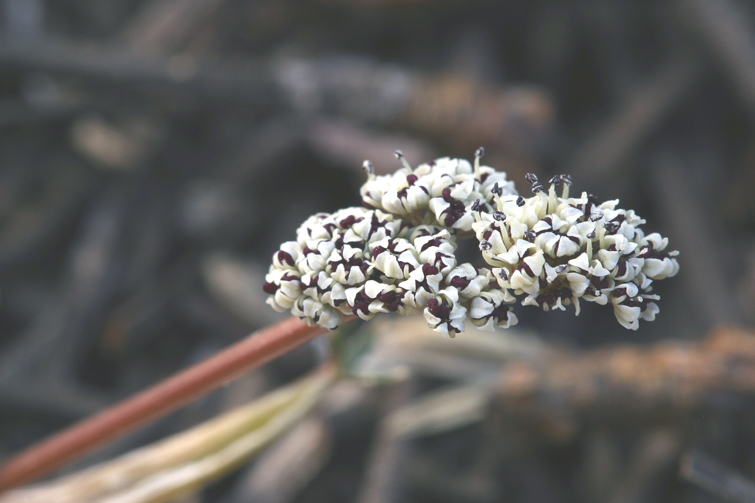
[(483, 306), (456, 317), (477, 282), (583, 241)]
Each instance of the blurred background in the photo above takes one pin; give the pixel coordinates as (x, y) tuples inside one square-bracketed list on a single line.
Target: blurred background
[(154, 153)]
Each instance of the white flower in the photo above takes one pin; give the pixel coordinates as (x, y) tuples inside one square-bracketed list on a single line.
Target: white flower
[(489, 310), (554, 251), (313, 313), (444, 313), (467, 281), (399, 253), (284, 288), (440, 193)]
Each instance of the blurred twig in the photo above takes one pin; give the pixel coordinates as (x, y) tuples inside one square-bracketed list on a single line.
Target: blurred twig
[(288, 466), (624, 382), (543, 384), (249, 80), (718, 479), (729, 31), (160, 26), (704, 271), (639, 115), (388, 455)]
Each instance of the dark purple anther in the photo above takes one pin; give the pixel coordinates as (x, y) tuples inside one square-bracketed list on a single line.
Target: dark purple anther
[(285, 257), (433, 306), (530, 178), (347, 222), (429, 269), (499, 216), (520, 201), (485, 245), (612, 227), (269, 288), (459, 282)]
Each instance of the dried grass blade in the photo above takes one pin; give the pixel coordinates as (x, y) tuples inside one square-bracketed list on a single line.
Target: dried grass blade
[(184, 462)]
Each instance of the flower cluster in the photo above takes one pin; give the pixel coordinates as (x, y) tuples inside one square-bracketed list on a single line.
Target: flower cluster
[(555, 251), (398, 253), (441, 192), (363, 262)]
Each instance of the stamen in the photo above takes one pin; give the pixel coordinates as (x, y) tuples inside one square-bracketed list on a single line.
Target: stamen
[(497, 193), (485, 245), (369, 169), (552, 197), (566, 180), (601, 232), (499, 216), (505, 236), (530, 178), (400, 156), (520, 201), (479, 153), (612, 227)]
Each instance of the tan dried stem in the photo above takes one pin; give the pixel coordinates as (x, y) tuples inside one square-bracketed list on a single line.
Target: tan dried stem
[(153, 403)]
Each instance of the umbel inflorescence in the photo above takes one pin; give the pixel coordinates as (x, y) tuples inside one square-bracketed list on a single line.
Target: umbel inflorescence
[(397, 253)]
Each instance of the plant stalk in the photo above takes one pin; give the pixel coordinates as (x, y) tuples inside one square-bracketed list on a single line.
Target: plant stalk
[(156, 402)]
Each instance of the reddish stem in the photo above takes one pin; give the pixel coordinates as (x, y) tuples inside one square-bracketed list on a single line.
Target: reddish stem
[(153, 403)]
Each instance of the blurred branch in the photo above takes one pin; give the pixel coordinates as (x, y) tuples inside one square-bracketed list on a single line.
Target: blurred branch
[(383, 478), (159, 27), (622, 382), (248, 79), (288, 466), (637, 118), (454, 108), (546, 385), (728, 29), (718, 479), (704, 274)]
